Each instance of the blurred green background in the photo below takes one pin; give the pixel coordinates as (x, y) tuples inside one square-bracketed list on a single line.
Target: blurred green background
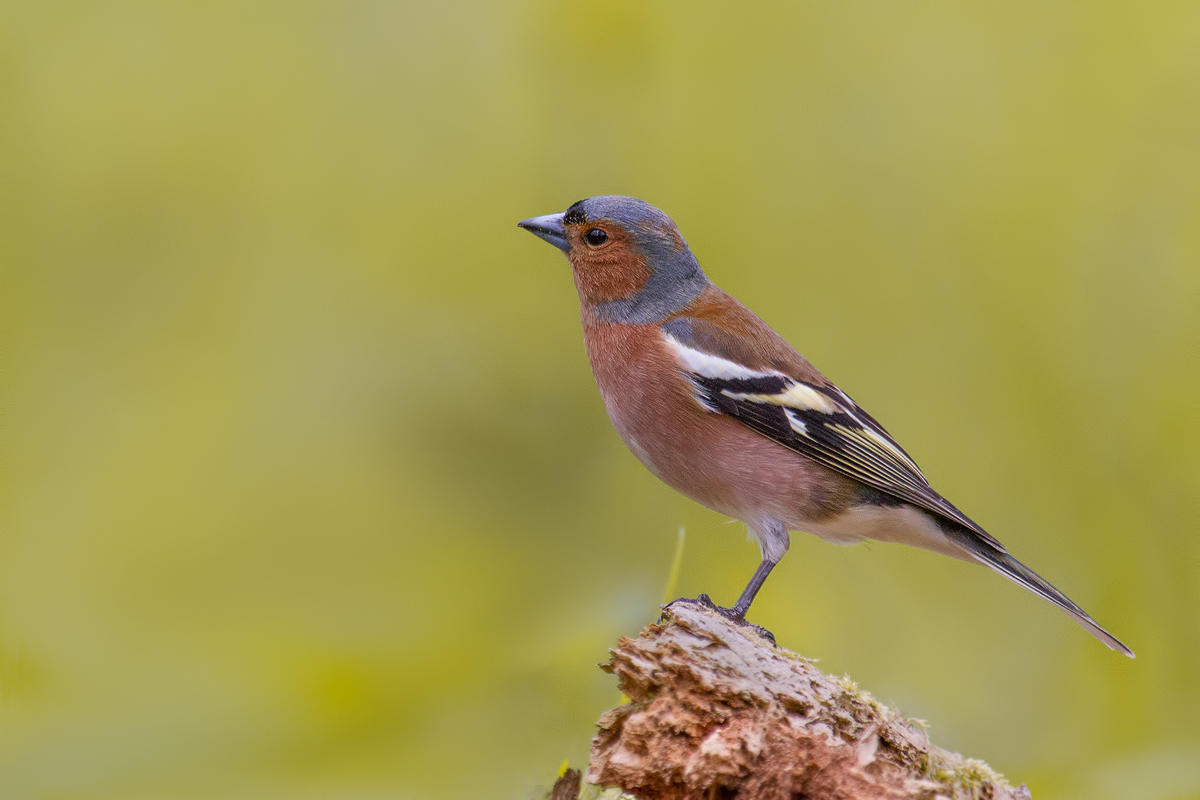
[(306, 488)]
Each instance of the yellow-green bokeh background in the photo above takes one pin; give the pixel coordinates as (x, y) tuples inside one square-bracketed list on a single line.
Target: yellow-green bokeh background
[(307, 492)]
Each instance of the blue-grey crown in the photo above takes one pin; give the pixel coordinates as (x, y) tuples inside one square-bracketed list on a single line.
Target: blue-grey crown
[(629, 212), (675, 276)]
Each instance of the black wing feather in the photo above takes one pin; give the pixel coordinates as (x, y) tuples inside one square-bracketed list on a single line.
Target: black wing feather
[(839, 435)]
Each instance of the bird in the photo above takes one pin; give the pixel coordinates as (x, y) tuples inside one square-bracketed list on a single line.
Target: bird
[(721, 408)]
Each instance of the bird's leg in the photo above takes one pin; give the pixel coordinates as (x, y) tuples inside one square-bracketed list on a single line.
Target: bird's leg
[(740, 608), (738, 612)]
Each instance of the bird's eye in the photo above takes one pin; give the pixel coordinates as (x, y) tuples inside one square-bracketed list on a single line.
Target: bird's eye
[(596, 237)]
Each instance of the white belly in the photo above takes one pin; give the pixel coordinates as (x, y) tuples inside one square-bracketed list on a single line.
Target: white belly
[(903, 524)]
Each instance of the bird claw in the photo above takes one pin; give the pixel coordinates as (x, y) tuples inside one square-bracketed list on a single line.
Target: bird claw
[(706, 602)]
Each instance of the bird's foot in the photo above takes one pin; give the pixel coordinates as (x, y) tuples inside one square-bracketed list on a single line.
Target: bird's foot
[(731, 614)]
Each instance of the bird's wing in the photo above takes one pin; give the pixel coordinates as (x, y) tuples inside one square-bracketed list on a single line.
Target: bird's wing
[(806, 414)]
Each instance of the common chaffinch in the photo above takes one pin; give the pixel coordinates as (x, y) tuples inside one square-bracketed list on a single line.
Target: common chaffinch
[(720, 407)]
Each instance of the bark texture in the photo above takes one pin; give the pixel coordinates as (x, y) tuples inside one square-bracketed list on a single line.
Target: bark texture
[(718, 711)]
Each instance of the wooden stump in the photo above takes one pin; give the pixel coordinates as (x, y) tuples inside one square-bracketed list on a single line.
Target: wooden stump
[(718, 711)]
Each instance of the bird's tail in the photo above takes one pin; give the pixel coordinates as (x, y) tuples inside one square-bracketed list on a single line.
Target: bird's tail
[(1022, 575)]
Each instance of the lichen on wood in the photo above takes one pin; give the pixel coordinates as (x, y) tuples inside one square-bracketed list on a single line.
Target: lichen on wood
[(718, 711)]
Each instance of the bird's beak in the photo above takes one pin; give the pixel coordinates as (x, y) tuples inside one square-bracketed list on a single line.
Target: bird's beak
[(550, 228)]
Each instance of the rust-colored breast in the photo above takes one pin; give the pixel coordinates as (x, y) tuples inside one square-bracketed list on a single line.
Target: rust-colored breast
[(710, 457)]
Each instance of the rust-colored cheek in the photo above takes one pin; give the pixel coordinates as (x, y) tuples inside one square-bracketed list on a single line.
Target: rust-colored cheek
[(611, 274)]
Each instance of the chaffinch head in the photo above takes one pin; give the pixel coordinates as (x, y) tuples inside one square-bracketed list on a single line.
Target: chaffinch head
[(720, 407)]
